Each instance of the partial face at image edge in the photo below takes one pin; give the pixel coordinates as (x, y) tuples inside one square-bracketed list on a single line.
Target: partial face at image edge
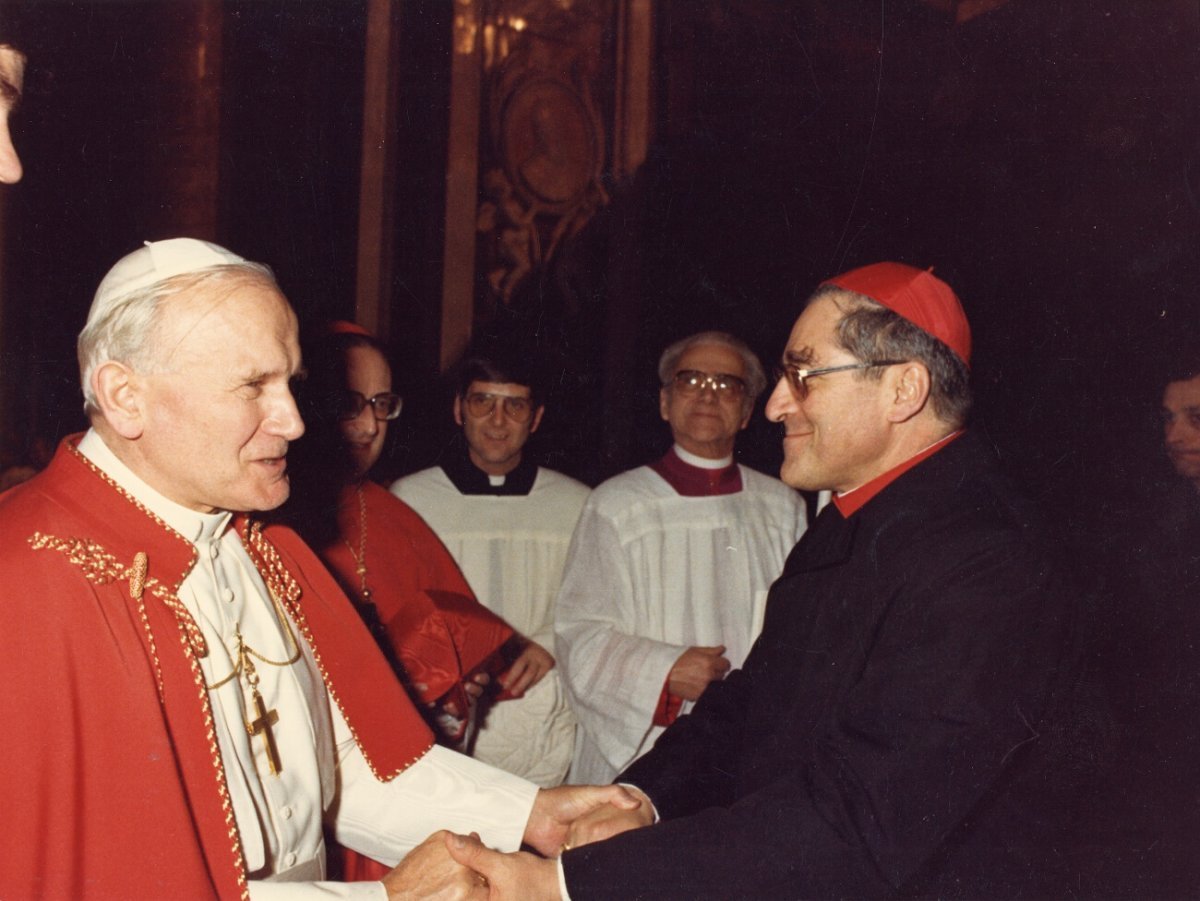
[(1181, 427), (12, 79)]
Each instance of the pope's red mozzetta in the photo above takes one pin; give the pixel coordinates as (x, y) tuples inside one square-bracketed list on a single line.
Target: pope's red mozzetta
[(112, 781)]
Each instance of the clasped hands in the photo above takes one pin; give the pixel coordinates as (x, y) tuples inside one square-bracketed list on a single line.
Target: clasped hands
[(448, 866)]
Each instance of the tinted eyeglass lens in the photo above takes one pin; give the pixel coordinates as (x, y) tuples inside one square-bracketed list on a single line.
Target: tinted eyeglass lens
[(795, 380), (518, 409), (349, 404), (691, 381), (384, 406), (387, 406)]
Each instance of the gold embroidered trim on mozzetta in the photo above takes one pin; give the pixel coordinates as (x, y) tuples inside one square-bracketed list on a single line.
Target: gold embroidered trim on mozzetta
[(145, 618), (274, 573), (266, 552), (108, 480), (194, 647), (171, 597), (102, 568), (214, 750)]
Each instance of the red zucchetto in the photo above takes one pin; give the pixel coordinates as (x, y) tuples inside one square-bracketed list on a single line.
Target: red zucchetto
[(916, 294), (344, 327)]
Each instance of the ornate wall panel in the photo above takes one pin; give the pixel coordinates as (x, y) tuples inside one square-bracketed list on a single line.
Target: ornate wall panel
[(547, 104)]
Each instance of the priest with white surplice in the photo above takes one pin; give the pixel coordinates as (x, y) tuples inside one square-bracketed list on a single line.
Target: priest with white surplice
[(508, 523), (665, 583)]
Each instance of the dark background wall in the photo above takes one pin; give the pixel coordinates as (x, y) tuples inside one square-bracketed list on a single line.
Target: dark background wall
[(124, 142), (1043, 157)]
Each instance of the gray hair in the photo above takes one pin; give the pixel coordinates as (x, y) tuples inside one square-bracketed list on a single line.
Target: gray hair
[(870, 331), (756, 378), (124, 327)]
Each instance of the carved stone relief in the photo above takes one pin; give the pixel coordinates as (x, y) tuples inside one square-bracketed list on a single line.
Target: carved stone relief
[(542, 153)]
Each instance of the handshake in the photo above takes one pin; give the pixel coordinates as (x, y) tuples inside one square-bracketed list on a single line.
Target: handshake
[(447, 866)]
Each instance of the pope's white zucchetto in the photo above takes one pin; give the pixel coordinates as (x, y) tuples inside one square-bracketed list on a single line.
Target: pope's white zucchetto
[(154, 262)]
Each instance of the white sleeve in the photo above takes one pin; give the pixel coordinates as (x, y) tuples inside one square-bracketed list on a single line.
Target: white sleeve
[(562, 881), (317, 891), (614, 677), (442, 790)]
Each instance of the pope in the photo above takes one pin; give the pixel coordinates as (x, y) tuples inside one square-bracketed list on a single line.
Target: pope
[(189, 698)]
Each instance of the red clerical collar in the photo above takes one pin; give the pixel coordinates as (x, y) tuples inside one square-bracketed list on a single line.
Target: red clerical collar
[(854, 500), (695, 481)]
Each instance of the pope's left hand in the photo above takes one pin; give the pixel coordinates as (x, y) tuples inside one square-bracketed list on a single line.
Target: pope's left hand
[(555, 809)]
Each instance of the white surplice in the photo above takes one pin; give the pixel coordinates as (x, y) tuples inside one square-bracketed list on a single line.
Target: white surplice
[(511, 549), (649, 574)]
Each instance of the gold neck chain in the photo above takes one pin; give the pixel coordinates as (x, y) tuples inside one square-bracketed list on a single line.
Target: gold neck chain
[(360, 558), (245, 652), (263, 719)]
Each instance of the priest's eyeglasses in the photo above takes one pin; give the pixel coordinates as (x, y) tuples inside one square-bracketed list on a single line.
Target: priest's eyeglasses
[(798, 378), (384, 406), (693, 381), (480, 404)]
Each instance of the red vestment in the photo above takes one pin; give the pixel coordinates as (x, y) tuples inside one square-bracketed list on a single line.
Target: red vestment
[(433, 625), (112, 785)]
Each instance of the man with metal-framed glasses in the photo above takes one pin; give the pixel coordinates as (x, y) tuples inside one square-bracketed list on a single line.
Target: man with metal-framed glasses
[(898, 728), (666, 580)]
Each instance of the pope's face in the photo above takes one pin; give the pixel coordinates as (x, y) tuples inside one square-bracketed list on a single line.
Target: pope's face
[(835, 437), (368, 373), (707, 422), (217, 411), (12, 76), (1181, 427)]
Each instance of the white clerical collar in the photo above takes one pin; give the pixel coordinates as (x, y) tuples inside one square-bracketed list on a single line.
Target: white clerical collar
[(702, 462), (497, 481), (191, 524)]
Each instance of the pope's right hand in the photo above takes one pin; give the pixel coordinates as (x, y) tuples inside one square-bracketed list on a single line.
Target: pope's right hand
[(429, 873)]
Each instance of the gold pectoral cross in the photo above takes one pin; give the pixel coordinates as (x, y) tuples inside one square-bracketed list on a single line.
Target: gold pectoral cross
[(261, 725)]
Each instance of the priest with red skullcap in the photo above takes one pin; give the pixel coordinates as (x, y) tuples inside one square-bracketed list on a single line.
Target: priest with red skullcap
[(898, 728)]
